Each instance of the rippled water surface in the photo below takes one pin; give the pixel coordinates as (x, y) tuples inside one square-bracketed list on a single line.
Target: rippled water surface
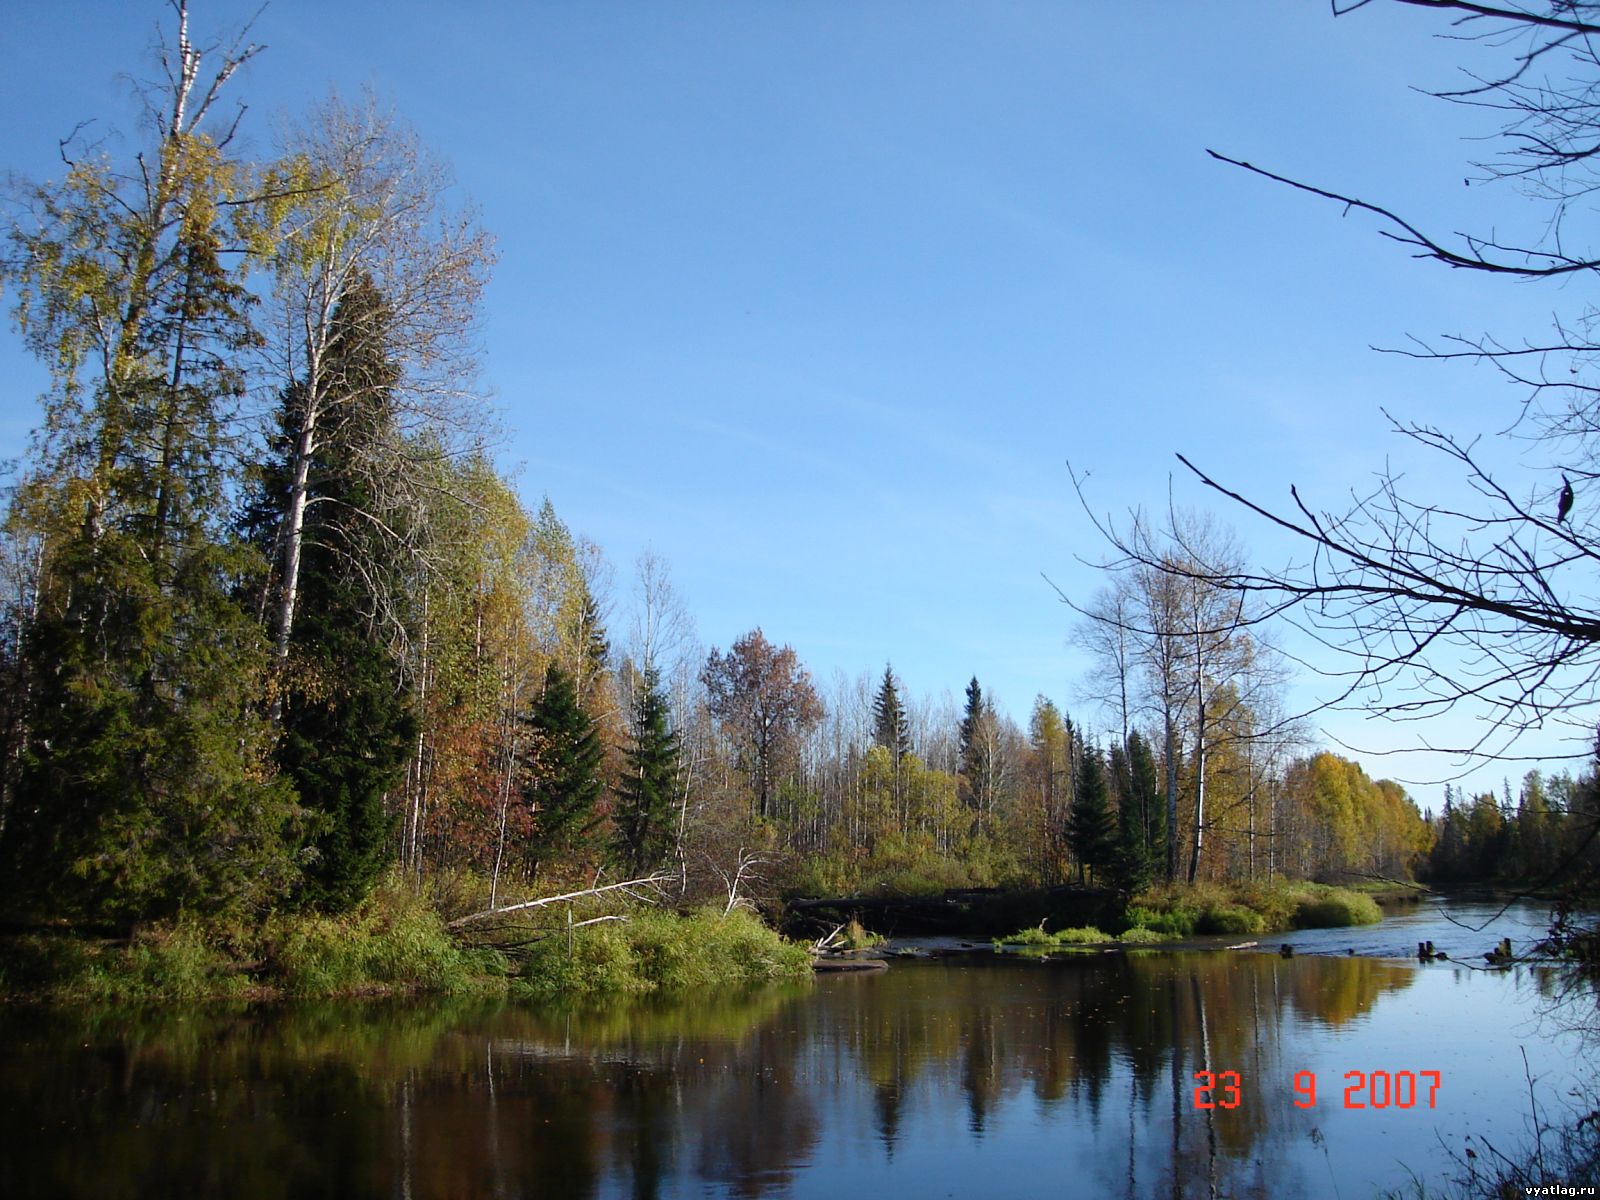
[(963, 1078)]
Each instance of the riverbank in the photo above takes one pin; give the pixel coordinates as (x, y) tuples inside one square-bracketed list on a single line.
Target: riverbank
[(1167, 912), (398, 943), (946, 1069)]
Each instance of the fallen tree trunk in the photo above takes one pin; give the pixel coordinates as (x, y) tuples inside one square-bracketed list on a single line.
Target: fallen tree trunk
[(648, 881)]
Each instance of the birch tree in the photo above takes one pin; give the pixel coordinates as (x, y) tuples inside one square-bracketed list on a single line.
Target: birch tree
[(372, 212), (143, 766)]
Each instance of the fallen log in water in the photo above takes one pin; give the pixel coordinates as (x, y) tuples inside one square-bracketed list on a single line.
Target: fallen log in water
[(827, 964)]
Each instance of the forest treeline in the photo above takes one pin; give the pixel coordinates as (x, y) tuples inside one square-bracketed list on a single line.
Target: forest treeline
[(275, 623)]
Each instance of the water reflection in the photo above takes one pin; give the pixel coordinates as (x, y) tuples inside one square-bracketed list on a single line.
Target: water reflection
[(993, 1079)]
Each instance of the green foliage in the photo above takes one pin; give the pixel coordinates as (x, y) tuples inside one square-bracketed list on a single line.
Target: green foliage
[(563, 780), (889, 728), (858, 937), (1177, 921), (833, 873), (1141, 815), (1083, 935), (651, 787), (653, 952), (1337, 907), (1036, 937), (1230, 919), (1250, 908), (179, 962), (1090, 829), (147, 788), (980, 766), (1140, 936), (144, 766), (394, 940), (345, 725)]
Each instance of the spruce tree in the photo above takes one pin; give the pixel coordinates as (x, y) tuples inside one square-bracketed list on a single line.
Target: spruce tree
[(1141, 818), (143, 783), (345, 725), (889, 727), (1090, 824), (562, 778), (647, 797), (976, 768), (588, 634)]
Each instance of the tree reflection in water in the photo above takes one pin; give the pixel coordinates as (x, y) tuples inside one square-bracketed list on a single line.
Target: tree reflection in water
[(978, 1078)]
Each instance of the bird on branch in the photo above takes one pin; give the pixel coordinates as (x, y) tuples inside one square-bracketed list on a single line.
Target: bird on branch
[(1564, 501)]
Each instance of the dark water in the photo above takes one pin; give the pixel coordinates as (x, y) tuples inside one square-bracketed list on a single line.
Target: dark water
[(964, 1079)]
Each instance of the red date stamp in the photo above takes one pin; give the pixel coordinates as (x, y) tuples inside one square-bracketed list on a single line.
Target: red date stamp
[(1362, 1089)]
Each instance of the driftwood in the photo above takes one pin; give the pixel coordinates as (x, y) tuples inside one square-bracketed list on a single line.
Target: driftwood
[(827, 965), (648, 881)]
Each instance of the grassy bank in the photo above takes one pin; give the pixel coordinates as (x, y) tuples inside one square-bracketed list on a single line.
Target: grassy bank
[(1248, 908), (1175, 911), (397, 943), (656, 952)]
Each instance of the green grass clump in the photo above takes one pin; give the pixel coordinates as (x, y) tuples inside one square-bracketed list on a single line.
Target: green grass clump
[(1337, 907), (395, 940), (1034, 935), (1140, 936), (1178, 921), (654, 952), (1248, 908), (1036, 938), (1084, 935), (1230, 919), (858, 937), (177, 962)]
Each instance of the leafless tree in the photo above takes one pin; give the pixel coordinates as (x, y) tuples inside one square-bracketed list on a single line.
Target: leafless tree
[(1187, 648), (662, 627), (1427, 604), (372, 209)]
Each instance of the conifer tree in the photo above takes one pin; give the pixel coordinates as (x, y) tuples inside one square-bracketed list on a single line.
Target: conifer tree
[(975, 748), (889, 727), (588, 634), (1090, 824), (890, 731), (648, 795), (344, 721), (1141, 818), (144, 787), (562, 781)]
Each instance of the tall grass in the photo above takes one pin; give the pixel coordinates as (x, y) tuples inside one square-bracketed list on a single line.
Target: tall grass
[(396, 940), (654, 952), (179, 962), (1248, 908)]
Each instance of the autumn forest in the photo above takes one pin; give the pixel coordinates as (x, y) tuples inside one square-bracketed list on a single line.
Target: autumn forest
[(276, 624)]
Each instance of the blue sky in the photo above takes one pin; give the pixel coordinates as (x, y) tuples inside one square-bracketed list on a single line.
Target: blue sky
[(817, 300)]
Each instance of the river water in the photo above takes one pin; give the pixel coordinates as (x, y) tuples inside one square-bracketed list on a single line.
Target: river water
[(954, 1077)]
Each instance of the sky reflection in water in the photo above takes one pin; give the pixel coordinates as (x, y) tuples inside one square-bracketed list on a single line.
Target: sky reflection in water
[(997, 1079)]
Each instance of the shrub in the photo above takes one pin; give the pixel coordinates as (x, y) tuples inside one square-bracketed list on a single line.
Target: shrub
[(1178, 921), (395, 939), (1230, 919), (1337, 907), (660, 952), (177, 962)]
